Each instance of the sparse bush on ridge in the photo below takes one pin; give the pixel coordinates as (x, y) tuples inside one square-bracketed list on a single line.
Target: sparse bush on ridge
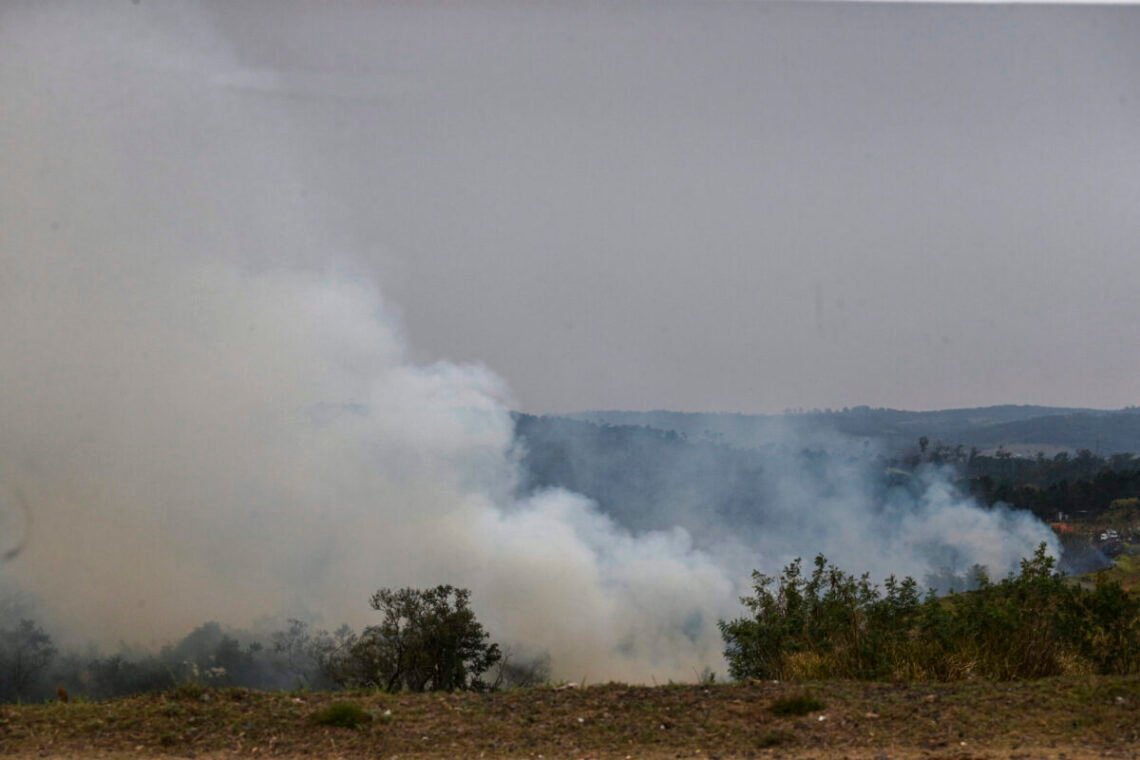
[(796, 704), (1030, 625), (342, 715)]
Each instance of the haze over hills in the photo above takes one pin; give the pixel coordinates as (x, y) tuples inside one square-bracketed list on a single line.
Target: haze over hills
[(798, 484), (771, 487), (1017, 428)]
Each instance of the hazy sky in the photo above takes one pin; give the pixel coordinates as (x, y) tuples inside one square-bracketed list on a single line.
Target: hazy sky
[(725, 206)]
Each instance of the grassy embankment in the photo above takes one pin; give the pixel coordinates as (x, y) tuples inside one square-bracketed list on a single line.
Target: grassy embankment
[(1072, 717)]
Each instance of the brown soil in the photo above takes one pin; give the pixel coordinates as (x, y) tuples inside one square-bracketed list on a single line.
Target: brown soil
[(1052, 718)]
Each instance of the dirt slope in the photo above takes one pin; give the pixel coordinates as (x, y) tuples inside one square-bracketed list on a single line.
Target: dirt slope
[(1059, 718)]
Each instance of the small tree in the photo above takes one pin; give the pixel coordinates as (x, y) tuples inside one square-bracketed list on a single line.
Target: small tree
[(25, 652), (308, 656), (514, 672), (429, 640)]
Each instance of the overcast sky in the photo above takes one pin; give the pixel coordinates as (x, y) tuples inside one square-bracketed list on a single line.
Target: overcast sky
[(726, 206)]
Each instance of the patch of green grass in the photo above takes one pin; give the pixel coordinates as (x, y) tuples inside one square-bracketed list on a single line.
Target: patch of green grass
[(342, 715), (796, 704)]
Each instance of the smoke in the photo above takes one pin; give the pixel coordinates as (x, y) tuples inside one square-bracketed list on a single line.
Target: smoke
[(799, 493), (210, 414), (923, 527)]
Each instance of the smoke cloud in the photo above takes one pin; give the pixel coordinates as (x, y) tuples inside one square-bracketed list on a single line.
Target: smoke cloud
[(210, 415)]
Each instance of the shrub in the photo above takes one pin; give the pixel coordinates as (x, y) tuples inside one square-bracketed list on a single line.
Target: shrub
[(817, 626), (1029, 625), (342, 715), (1106, 627), (796, 704)]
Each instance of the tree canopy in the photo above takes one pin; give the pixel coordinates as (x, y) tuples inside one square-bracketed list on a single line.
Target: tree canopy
[(428, 640)]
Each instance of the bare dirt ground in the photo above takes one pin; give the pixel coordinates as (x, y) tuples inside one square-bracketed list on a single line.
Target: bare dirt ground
[(1070, 718)]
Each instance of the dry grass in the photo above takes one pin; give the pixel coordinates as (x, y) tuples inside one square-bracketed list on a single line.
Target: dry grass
[(1074, 717)]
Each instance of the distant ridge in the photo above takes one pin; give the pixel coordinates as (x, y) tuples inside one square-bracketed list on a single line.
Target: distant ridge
[(1017, 428)]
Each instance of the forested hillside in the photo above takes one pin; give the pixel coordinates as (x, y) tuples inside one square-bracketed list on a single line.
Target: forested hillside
[(1016, 427), (702, 477)]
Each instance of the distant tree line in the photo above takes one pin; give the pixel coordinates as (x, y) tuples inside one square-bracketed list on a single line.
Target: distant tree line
[(1083, 484), (427, 640), (646, 477)]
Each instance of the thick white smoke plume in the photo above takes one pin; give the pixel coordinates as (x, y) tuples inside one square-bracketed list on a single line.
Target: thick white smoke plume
[(209, 417)]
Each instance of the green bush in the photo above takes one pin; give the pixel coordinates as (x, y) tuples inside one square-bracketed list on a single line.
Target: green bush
[(796, 704), (342, 715), (1106, 627), (834, 625), (829, 622)]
